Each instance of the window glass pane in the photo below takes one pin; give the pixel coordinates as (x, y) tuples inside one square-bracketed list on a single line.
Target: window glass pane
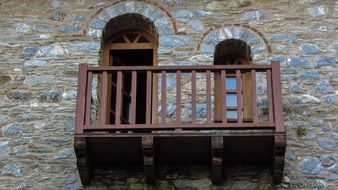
[(231, 100), (231, 83), (232, 114)]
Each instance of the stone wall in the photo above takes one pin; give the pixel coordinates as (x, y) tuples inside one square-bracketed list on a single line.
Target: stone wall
[(42, 42)]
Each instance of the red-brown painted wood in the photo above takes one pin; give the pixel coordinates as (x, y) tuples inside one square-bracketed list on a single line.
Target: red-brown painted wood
[(178, 97), (89, 97), (133, 97), (118, 105)]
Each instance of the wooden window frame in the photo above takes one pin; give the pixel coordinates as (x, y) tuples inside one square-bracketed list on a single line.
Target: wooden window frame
[(246, 93), (109, 45)]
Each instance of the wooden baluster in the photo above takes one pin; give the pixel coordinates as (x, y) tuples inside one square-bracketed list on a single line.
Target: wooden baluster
[(133, 97), (118, 105), (239, 97), (148, 100), (254, 96), (89, 97), (104, 96), (224, 94), (81, 98), (163, 97), (277, 97), (269, 94), (193, 97), (208, 81), (178, 97)]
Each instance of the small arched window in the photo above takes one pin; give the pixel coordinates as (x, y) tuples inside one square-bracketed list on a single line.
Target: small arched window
[(129, 40), (233, 52)]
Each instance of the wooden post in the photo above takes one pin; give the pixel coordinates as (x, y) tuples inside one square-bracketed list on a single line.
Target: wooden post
[(81, 98), (148, 159), (217, 159)]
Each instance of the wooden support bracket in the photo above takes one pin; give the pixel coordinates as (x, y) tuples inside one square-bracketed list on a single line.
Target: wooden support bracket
[(278, 158), (148, 159), (83, 162), (216, 159)]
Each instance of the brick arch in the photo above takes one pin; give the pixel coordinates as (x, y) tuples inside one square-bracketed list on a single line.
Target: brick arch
[(162, 19), (255, 39)]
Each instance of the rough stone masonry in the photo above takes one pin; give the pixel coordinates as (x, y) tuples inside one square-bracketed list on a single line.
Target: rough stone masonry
[(42, 43)]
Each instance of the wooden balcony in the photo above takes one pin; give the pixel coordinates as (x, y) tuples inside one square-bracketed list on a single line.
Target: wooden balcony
[(122, 117)]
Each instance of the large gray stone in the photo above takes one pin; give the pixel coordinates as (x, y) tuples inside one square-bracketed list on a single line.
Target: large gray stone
[(295, 88), (35, 63), (19, 95), (98, 24), (196, 25), (53, 95), (317, 11), (319, 184), (43, 28), (183, 14), (29, 51), (12, 130), (310, 75), (174, 41), (27, 117), (34, 80), (12, 170), (333, 169), (326, 61), (327, 144), (299, 62), (56, 141), (283, 37), (323, 87), (53, 51), (252, 15), (290, 155), (69, 28), (69, 95), (65, 153), (310, 165), (202, 13), (328, 159), (84, 47), (3, 146), (330, 99), (308, 48)]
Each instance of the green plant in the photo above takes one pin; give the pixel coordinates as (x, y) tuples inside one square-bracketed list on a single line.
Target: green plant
[(301, 131)]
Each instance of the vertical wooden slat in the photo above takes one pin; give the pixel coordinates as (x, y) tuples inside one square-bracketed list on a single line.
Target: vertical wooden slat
[(218, 97), (269, 94), (277, 97), (104, 96), (89, 97), (223, 94), (80, 99), (133, 97), (247, 96), (193, 97), (148, 98), (254, 96), (208, 80), (118, 98), (163, 96), (239, 96), (178, 97)]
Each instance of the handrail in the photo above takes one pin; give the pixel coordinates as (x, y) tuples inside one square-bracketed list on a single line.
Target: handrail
[(85, 85)]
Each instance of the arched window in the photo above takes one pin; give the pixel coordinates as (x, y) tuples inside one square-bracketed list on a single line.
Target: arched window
[(233, 52), (129, 40)]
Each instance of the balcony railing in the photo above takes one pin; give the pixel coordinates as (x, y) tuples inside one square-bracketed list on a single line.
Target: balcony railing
[(110, 83)]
